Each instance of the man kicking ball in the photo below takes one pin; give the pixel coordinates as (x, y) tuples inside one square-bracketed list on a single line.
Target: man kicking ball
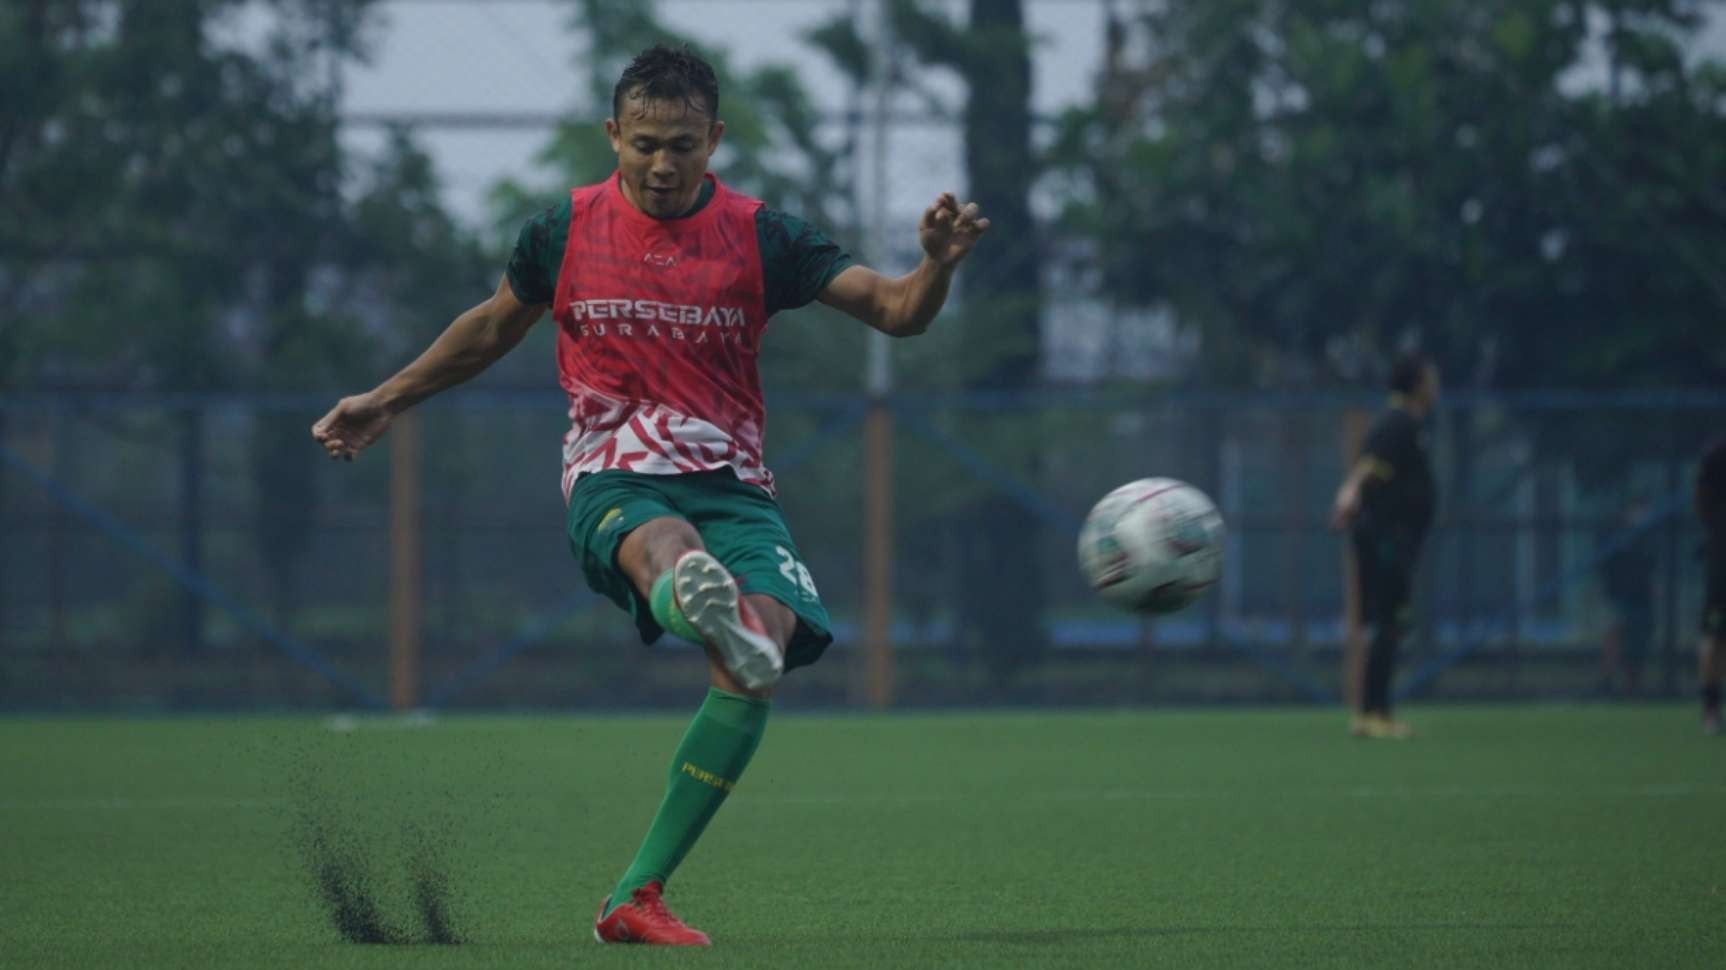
[(661, 280)]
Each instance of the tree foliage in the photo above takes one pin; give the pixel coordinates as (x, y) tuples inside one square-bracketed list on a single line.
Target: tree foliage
[(992, 338), (172, 208), (773, 146), (1527, 187), (175, 215)]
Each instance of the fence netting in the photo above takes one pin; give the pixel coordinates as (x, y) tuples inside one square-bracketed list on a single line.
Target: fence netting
[(200, 552)]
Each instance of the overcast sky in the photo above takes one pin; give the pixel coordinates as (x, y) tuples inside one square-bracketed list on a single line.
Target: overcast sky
[(488, 55)]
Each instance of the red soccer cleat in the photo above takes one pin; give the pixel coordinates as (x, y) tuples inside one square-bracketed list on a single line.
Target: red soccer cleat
[(644, 919)]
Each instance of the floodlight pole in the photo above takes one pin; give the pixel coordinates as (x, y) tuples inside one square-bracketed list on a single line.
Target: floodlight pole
[(878, 382)]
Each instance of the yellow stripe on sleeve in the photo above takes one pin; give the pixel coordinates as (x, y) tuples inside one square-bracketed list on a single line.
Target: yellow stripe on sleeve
[(1378, 468)]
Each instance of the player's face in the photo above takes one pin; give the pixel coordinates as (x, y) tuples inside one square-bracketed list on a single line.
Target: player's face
[(663, 146)]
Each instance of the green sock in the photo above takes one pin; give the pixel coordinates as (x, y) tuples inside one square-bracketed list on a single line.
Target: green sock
[(708, 762), (667, 613)]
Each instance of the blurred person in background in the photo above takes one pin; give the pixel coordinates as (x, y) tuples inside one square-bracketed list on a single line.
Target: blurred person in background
[(661, 281), (1627, 579), (1711, 508), (1386, 504)]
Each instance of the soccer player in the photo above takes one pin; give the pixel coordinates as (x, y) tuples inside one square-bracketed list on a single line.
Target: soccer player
[(1711, 508), (661, 280), (1386, 503)]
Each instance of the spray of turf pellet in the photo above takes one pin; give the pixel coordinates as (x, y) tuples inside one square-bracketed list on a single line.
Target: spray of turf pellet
[(344, 875), (349, 871), (344, 882), (432, 886)]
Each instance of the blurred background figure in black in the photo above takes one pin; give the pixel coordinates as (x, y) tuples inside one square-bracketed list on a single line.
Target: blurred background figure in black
[(1387, 505), (1711, 508)]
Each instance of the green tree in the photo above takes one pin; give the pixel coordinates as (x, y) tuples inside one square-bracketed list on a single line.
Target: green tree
[(172, 218), (1310, 183), (398, 269), (965, 527), (773, 145), (157, 186)]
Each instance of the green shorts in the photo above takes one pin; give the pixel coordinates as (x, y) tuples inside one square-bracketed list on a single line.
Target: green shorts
[(739, 523)]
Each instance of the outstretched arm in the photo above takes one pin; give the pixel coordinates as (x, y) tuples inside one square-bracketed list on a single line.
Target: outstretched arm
[(473, 342), (904, 306)]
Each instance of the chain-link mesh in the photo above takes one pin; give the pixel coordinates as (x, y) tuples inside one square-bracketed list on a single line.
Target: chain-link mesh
[(199, 552)]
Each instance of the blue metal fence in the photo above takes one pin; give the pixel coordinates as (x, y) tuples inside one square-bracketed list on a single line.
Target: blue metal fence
[(87, 578)]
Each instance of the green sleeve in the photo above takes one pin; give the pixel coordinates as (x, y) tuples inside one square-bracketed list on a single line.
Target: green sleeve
[(538, 255), (797, 259)]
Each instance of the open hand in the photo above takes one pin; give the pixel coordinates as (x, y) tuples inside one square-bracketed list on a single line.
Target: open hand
[(351, 425), (949, 230)]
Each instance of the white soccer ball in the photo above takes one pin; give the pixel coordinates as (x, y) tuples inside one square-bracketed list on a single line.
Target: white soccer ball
[(1152, 546)]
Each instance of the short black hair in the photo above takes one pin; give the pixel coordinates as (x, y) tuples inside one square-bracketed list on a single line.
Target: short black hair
[(1408, 370), (668, 73)]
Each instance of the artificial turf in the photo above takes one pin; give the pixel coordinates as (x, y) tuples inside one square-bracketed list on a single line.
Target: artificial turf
[(1539, 837)]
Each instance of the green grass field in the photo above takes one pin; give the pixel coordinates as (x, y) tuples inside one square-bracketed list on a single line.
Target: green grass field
[(1537, 837)]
